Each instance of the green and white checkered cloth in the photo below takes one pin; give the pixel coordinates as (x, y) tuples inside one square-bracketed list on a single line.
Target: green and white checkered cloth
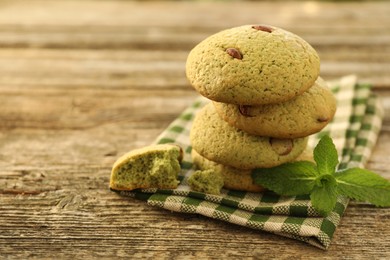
[(354, 130)]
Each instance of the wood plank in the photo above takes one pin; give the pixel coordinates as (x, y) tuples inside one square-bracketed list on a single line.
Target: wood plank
[(205, 13), (112, 69), (89, 109)]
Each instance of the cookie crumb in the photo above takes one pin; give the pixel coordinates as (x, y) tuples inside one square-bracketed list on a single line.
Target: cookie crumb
[(207, 181)]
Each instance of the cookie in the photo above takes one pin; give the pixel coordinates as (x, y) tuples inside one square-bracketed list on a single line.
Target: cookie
[(216, 140), (252, 65), (233, 178), (301, 116), (155, 166), (238, 179)]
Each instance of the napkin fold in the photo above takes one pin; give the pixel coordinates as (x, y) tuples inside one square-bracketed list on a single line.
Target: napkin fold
[(354, 130)]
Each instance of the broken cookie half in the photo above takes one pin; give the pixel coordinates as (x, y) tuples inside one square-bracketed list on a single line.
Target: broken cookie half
[(154, 166)]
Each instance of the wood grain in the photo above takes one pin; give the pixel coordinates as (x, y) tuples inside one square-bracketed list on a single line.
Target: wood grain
[(82, 82)]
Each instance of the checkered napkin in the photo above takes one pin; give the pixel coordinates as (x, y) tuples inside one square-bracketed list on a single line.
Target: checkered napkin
[(354, 130)]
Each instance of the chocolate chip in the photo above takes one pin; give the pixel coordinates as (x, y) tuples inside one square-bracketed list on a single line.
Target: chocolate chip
[(263, 28), (234, 53), (322, 119), (281, 146), (244, 110)]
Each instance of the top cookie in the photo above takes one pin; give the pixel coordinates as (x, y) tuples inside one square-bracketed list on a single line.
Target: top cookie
[(252, 65)]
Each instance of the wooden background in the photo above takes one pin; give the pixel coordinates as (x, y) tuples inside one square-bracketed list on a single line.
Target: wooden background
[(82, 82)]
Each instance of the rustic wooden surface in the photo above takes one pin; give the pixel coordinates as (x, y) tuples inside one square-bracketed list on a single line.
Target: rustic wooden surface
[(82, 82)]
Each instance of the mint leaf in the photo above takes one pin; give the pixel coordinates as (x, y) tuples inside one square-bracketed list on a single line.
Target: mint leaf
[(322, 181), (290, 179), (325, 155), (324, 195), (364, 185)]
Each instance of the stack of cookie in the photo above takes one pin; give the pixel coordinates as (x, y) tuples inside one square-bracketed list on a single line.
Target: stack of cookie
[(267, 99)]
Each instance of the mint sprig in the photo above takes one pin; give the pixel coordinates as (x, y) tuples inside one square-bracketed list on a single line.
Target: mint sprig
[(323, 182)]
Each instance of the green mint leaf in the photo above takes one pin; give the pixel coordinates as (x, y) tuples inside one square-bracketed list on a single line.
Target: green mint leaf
[(325, 155), (289, 179), (322, 181), (364, 185), (324, 195)]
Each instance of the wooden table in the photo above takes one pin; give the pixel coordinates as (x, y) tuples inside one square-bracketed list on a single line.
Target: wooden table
[(82, 82)]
